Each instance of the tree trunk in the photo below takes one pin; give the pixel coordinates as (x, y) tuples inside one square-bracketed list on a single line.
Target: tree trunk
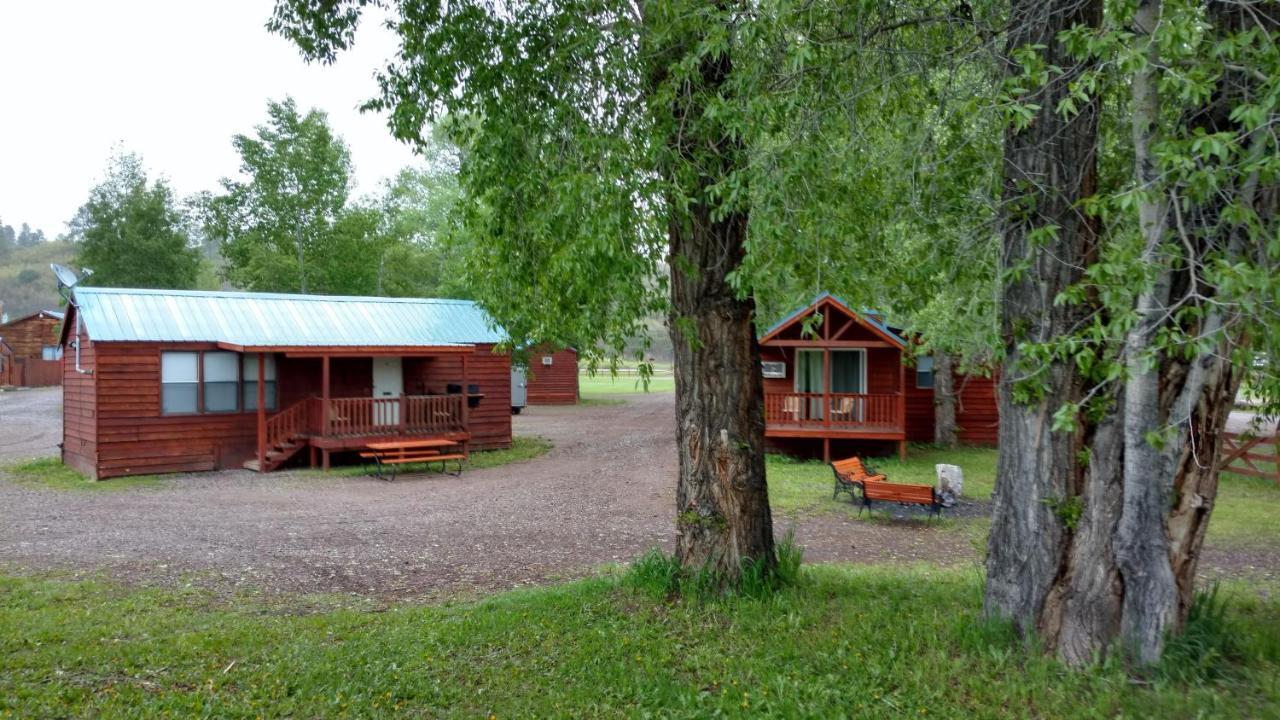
[(944, 400), (722, 502), (1129, 533), (1049, 166)]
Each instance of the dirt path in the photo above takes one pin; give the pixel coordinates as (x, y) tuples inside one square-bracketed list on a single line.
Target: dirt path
[(30, 423), (604, 494)]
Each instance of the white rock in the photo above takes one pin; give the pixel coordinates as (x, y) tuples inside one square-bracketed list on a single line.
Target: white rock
[(950, 483)]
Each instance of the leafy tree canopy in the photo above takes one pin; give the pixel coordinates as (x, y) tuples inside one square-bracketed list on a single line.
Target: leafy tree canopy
[(132, 232)]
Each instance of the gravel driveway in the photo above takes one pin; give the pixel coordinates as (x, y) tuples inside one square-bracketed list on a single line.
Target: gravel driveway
[(604, 494)]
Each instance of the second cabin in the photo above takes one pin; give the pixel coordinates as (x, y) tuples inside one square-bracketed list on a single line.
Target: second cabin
[(835, 377), (175, 381)]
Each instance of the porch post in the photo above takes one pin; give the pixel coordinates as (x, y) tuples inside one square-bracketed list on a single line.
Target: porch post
[(262, 411), (826, 387), (324, 395), (466, 397), (902, 407)]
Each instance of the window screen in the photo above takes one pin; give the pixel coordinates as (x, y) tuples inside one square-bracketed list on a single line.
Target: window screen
[(251, 382), (220, 382), (924, 372), (51, 352), (178, 382)]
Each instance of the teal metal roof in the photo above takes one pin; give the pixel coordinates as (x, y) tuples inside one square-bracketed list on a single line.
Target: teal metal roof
[(271, 319)]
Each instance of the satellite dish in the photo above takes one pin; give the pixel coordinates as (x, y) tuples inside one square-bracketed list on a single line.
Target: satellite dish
[(67, 277)]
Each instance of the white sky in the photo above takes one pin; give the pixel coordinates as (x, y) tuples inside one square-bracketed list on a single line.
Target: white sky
[(172, 80)]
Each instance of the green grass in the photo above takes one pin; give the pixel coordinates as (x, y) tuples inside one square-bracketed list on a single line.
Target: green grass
[(51, 473), (864, 642), (606, 384), (522, 449), (1246, 511), (805, 485)]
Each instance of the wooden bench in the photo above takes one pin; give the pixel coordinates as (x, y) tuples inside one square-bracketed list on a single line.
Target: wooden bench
[(394, 454), (849, 473), (880, 491)]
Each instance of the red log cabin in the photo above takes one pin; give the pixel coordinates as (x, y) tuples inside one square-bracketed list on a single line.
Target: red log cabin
[(30, 353), (162, 381), (552, 377), (847, 384)]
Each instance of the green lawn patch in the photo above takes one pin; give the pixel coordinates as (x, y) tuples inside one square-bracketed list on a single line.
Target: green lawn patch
[(51, 473), (606, 384), (1246, 511), (522, 449), (843, 642), (805, 485)]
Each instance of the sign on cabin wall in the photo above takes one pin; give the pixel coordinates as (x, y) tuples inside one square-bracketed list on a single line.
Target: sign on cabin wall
[(546, 359), (773, 369)]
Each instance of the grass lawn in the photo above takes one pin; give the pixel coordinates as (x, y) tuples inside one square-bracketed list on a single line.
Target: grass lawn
[(1245, 513), (522, 449), (805, 485), (845, 642), (605, 384), (51, 473)]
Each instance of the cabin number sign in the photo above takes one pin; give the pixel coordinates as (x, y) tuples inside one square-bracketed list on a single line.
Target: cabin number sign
[(773, 369)]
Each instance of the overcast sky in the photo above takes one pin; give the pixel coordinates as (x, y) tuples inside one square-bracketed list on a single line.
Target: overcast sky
[(172, 80)]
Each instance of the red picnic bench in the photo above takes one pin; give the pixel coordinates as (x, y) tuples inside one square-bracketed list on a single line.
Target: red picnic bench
[(852, 474), (395, 453)]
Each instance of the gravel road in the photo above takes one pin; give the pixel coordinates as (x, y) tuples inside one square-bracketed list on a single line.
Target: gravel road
[(604, 494)]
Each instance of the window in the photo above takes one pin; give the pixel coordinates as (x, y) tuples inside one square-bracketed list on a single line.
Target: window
[(924, 373), (220, 381), (178, 382), (250, 392), (51, 352)]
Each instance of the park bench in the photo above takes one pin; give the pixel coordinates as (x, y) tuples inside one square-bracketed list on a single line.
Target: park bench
[(392, 454), (849, 473), (880, 491)]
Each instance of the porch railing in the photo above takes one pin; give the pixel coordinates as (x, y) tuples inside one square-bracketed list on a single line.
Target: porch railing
[(849, 411), (414, 414)]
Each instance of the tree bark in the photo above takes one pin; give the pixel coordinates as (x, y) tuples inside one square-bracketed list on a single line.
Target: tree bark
[(722, 502), (1132, 516), (1049, 166), (944, 400)]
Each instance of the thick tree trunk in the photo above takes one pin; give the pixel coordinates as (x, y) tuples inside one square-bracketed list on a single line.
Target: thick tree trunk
[(944, 400), (722, 502), (1049, 166), (1130, 532)]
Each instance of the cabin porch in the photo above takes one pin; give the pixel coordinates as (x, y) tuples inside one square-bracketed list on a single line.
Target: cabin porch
[(438, 408)]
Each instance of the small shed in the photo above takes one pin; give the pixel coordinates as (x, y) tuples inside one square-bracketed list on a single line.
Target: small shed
[(34, 355), (175, 381), (552, 377)]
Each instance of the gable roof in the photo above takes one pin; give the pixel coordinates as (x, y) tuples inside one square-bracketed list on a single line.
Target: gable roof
[(51, 314), (871, 319), (260, 320)]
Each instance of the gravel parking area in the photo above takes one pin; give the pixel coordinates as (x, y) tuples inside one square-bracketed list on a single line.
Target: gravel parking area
[(604, 494)]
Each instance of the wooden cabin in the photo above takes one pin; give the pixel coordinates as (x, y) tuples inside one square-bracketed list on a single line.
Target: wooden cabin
[(552, 377), (32, 351), (835, 377), (177, 381)]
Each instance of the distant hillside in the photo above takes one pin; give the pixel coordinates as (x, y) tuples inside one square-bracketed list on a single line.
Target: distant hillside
[(26, 284)]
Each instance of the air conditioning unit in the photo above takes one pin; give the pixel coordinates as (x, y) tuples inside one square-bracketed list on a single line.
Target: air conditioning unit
[(773, 369)]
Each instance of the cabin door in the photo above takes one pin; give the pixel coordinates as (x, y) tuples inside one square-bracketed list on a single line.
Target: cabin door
[(848, 383), (810, 380), (388, 383)]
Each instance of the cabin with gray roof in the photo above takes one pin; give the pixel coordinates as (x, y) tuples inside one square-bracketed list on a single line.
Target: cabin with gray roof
[(837, 380), (159, 381)]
